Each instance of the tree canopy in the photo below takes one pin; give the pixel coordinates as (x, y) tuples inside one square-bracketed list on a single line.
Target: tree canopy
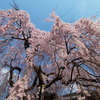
[(68, 54)]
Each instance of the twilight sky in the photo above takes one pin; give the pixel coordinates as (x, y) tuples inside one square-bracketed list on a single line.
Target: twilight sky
[(68, 10)]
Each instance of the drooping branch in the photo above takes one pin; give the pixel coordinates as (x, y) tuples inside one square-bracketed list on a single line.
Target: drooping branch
[(72, 72), (67, 47), (75, 61), (57, 78), (12, 69), (11, 74)]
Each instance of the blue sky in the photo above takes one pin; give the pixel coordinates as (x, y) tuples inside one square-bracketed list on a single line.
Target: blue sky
[(40, 9)]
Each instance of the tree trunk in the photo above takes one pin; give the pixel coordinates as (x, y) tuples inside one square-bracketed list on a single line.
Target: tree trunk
[(41, 92)]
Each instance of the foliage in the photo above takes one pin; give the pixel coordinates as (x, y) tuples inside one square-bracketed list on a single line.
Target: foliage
[(68, 54)]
